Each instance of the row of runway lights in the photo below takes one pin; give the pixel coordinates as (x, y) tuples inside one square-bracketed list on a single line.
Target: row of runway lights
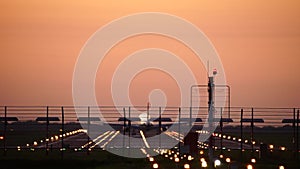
[(270, 146), (171, 134), (173, 155), (97, 140), (53, 139), (217, 162)]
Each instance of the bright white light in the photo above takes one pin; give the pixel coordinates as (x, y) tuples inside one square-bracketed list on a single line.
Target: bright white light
[(249, 166), (228, 160), (201, 152), (176, 159), (155, 165), (203, 164), (186, 166), (253, 160), (190, 158), (151, 159), (217, 163), (271, 146), (281, 167)]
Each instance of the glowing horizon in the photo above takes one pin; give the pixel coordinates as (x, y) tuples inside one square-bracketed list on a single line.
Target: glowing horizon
[(257, 41)]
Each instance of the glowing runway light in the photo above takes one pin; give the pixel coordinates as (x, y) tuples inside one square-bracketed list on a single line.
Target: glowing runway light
[(203, 164), (186, 166), (217, 163), (151, 159), (249, 166), (155, 165)]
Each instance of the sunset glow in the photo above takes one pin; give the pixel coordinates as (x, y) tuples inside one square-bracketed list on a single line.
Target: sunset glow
[(257, 41)]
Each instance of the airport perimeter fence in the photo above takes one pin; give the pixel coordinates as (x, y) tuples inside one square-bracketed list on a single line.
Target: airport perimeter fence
[(64, 128)]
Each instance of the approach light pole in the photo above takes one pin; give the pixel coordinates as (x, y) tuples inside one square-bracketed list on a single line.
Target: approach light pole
[(211, 111)]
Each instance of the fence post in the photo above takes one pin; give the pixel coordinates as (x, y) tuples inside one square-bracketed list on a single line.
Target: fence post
[(5, 128), (88, 132), (191, 118), (242, 112), (129, 127), (252, 126), (47, 130), (179, 116), (124, 127), (159, 126), (221, 127), (297, 143), (294, 132), (62, 131)]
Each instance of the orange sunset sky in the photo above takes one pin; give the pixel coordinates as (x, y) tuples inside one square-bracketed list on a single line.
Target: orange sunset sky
[(258, 43)]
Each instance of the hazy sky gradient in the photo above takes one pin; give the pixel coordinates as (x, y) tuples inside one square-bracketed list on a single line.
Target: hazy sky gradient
[(257, 41)]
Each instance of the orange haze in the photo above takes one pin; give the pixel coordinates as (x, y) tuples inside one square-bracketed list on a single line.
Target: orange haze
[(257, 41)]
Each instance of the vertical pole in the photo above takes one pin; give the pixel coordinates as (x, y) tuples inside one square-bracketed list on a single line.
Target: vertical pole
[(211, 119), (179, 116), (191, 118), (124, 124), (297, 144), (221, 127), (191, 97), (62, 131), (242, 112), (229, 102), (124, 127), (47, 130), (5, 128), (252, 127), (129, 127), (159, 126), (148, 107), (294, 132), (88, 130)]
